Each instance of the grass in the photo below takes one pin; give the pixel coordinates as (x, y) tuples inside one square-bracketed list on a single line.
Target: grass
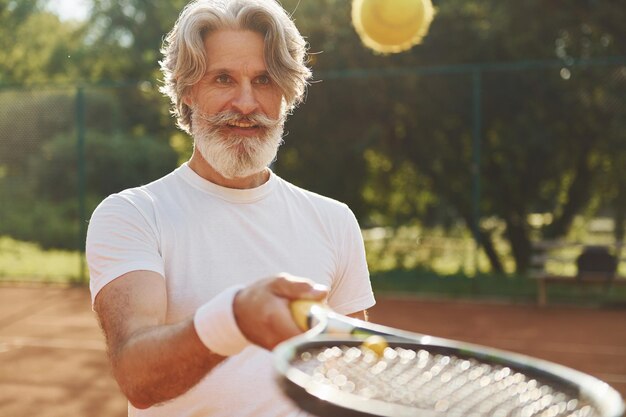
[(453, 251), (28, 262), (447, 276), (423, 282), (444, 251), (517, 289)]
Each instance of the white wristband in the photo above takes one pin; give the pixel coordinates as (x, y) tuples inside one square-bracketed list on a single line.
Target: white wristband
[(216, 325)]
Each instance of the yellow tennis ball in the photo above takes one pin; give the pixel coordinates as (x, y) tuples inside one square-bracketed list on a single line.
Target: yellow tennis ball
[(376, 344), (390, 26)]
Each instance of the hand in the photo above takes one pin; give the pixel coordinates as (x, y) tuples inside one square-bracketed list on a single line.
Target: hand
[(262, 309)]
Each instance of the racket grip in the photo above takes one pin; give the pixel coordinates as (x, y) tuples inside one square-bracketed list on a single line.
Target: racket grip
[(301, 312)]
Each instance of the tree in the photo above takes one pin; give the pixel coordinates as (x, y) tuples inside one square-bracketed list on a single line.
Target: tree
[(35, 46), (536, 156), (394, 143)]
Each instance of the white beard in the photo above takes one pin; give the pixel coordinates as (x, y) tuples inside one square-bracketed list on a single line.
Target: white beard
[(236, 156)]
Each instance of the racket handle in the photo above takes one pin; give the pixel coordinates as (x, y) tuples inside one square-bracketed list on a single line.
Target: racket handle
[(301, 312)]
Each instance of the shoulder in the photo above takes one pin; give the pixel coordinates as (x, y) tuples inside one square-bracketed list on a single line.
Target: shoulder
[(306, 197), (125, 203), (141, 199)]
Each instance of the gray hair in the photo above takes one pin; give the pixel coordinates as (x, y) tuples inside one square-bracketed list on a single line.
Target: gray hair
[(185, 60)]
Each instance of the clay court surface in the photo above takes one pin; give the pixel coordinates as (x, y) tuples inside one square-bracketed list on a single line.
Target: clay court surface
[(53, 364)]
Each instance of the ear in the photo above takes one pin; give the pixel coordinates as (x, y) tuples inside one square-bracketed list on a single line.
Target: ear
[(188, 100)]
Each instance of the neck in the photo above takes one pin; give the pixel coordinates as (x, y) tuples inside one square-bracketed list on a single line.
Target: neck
[(201, 167)]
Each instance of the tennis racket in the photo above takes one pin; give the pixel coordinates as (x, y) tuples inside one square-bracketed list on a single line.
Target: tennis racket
[(332, 370)]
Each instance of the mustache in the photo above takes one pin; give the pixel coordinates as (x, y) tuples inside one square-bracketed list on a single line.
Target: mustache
[(228, 117)]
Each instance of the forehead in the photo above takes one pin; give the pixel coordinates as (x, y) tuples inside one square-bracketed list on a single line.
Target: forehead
[(235, 50)]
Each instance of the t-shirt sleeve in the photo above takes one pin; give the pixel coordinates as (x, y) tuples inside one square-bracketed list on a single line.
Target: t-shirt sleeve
[(352, 290), (122, 237)]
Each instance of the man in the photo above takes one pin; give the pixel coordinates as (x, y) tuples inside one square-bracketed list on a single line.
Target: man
[(186, 271)]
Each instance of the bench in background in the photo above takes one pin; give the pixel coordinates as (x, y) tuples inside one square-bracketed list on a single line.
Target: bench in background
[(584, 280), (596, 267)]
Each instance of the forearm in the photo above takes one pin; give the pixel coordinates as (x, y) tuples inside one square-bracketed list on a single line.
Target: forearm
[(160, 363), (155, 362)]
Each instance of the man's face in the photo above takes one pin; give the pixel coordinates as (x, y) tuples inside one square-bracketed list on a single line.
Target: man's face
[(237, 118)]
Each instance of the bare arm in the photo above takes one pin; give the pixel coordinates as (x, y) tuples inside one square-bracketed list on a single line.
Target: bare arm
[(154, 362)]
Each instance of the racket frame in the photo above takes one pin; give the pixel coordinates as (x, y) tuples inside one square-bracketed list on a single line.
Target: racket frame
[(328, 327)]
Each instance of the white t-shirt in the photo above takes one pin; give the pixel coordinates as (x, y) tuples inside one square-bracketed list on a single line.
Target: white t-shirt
[(203, 238)]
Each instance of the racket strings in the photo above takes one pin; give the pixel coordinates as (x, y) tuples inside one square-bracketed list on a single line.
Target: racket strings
[(439, 382)]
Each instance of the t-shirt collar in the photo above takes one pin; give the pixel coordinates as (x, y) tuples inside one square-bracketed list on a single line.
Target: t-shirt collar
[(233, 195)]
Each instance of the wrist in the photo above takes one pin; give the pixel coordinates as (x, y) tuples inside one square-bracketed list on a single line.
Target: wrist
[(216, 326)]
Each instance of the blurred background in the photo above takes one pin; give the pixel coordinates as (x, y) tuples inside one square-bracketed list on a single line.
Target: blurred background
[(492, 153)]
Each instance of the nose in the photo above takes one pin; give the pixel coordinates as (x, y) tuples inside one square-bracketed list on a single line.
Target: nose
[(245, 101)]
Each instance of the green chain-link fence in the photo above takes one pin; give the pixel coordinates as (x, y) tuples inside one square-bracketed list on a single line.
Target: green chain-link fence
[(63, 149)]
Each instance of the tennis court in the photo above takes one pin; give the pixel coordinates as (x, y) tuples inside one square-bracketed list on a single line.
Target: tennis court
[(53, 357)]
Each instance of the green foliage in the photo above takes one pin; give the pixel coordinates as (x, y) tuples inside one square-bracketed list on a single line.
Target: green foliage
[(50, 224), (39, 174), (27, 118), (113, 162), (28, 262), (398, 148), (427, 283), (35, 46), (441, 250), (547, 135), (511, 288), (127, 37)]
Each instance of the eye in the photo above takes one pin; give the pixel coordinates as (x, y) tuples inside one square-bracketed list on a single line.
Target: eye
[(263, 80), (223, 79)]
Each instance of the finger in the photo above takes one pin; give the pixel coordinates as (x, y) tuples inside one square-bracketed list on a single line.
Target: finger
[(294, 288), (283, 327), (263, 317)]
